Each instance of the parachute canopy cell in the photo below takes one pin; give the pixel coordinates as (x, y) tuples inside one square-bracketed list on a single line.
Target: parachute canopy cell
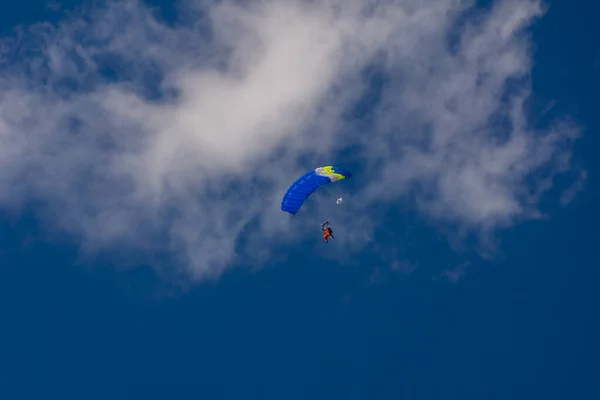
[(308, 183)]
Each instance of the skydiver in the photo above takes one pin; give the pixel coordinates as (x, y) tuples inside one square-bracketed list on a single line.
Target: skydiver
[(327, 232)]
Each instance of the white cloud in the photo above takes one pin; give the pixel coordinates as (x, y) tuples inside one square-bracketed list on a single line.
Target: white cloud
[(132, 133)]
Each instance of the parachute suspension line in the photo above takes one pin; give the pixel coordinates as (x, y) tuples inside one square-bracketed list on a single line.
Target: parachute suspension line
[(328, 193), (338, 201)]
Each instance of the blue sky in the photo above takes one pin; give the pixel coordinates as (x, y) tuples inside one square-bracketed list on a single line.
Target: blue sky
[(129, 147)]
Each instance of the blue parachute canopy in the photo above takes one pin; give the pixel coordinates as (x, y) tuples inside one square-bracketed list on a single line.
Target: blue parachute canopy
[(308, 183)]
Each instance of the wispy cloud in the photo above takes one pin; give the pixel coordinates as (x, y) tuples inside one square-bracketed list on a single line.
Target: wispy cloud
[(576, 187), (179, 139), (454, 274)]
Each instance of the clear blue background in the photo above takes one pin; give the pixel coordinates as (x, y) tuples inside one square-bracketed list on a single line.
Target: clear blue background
[(524, 326)]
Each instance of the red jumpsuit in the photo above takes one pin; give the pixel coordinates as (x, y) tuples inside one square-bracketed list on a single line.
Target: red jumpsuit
[(327, 233)]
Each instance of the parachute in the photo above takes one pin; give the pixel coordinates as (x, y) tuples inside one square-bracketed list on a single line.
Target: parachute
[(304, 186)]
